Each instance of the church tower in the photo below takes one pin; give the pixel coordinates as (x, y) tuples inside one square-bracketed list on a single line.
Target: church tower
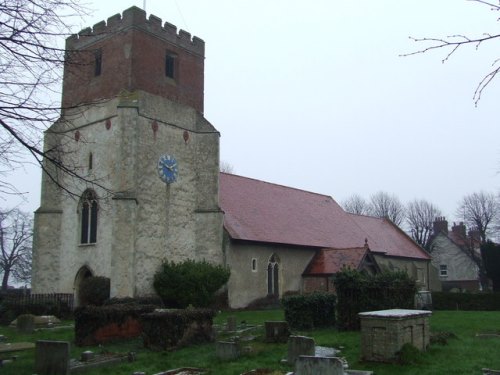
[(132, 125)]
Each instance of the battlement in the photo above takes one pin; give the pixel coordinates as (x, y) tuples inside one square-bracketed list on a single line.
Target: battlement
[(135, 17)]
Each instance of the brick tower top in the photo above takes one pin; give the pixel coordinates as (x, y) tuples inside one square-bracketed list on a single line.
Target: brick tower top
[(134, 53)]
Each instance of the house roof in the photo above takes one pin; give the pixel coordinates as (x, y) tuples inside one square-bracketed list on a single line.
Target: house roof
[(331, 261), (260, 211), (385, 237)]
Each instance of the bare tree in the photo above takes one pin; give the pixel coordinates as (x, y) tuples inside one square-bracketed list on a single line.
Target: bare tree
[(226, 167), (480, 211), (30, 78), (420, 216), (387, 206), (16, 232), (356, 204), (454, 42)]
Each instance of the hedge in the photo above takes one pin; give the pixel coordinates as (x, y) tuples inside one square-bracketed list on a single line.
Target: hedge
[(358, 292), (466, 301), (172, 328), (90, 320), (310, 310)]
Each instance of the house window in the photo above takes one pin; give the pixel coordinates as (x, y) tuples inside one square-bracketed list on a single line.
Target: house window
[(254, 265), (97, 63), (273, 276), (170, 65), (88, 218), (443, 270)]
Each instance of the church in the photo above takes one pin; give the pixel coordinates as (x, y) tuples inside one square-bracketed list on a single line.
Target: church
[(132, 126)]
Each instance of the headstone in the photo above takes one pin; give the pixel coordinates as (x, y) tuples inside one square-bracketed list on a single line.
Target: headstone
[(227, 350), (277, 331), (26, 323), (52, 357), (231, 323), (87, 355), (299, 345), (307, 365)]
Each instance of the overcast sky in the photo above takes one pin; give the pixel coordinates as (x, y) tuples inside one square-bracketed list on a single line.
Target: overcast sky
[(315, 95)]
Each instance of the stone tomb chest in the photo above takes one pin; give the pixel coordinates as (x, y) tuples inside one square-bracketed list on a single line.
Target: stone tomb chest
[(384, 332)]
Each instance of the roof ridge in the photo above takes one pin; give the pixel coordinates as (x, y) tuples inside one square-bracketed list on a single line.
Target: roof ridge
[(279, 185)]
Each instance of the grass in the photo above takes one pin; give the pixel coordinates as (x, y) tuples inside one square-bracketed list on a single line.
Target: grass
[(466, 354)]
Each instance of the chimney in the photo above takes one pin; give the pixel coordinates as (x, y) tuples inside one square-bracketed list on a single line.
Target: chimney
[(459, 229), (440, 225)]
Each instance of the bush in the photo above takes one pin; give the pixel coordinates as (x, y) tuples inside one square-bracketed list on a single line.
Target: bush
[(310, 310), (189, 283), (466, 301), (171, 329), (358, 292), (94, 290)]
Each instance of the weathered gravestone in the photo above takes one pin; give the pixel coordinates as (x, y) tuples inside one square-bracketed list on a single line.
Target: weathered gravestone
[(52, 357), (299, 345), (309, 365), (277, 331), (231, 323), (26, 323), (227, 350)]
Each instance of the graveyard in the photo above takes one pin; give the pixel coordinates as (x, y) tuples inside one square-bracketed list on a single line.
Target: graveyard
[(461, 342)]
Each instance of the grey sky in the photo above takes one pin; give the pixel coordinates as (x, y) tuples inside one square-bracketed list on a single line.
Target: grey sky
[(314, 94)]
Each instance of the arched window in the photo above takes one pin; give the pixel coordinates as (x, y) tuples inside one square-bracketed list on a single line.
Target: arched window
[(273, 276), (88, 217)]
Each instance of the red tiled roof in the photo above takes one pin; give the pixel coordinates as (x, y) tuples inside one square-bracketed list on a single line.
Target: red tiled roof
[(265, 212), (260, 211), (384, 236), (331, 261)]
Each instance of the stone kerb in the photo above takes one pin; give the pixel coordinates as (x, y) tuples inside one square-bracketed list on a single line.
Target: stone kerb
[(52, 357), (383, 333)]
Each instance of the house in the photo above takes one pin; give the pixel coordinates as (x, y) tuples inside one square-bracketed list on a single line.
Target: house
[(279, 240), (133, 127), (452, 255)]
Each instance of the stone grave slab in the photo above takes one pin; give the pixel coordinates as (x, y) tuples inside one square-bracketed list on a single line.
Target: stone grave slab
[(184, 371), (306, 365), (16, 346)]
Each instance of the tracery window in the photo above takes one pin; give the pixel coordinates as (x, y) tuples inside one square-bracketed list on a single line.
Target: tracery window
[(273, 276), (88, 217)]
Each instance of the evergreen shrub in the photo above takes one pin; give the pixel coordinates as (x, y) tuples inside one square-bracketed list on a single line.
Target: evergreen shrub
[(358, 291), (310, 310), (94, 290), (189, 283), (173, 328)]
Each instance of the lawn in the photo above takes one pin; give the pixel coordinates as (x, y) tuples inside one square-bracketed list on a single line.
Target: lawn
[(466, 354)]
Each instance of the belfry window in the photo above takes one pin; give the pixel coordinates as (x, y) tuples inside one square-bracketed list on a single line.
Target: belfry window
[(170, 65), (88, 217), (97, 63)]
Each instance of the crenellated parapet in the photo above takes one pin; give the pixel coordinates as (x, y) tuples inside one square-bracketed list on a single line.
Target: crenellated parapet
[(135, 17)]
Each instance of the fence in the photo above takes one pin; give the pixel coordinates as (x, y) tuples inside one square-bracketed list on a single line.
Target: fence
[(21, 302)]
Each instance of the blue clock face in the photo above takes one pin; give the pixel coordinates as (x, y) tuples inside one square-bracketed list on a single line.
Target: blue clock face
[(167, 168)]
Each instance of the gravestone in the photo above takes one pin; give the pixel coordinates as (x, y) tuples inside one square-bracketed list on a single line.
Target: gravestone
[(299, 345), (87, 356), (26, 323), (52, 357), (227, 350), (277, 331), (231, 323), (307, 365)]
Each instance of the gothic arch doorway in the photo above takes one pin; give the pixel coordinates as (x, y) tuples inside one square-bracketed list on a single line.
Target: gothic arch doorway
[(83, 273), (273, 276)]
